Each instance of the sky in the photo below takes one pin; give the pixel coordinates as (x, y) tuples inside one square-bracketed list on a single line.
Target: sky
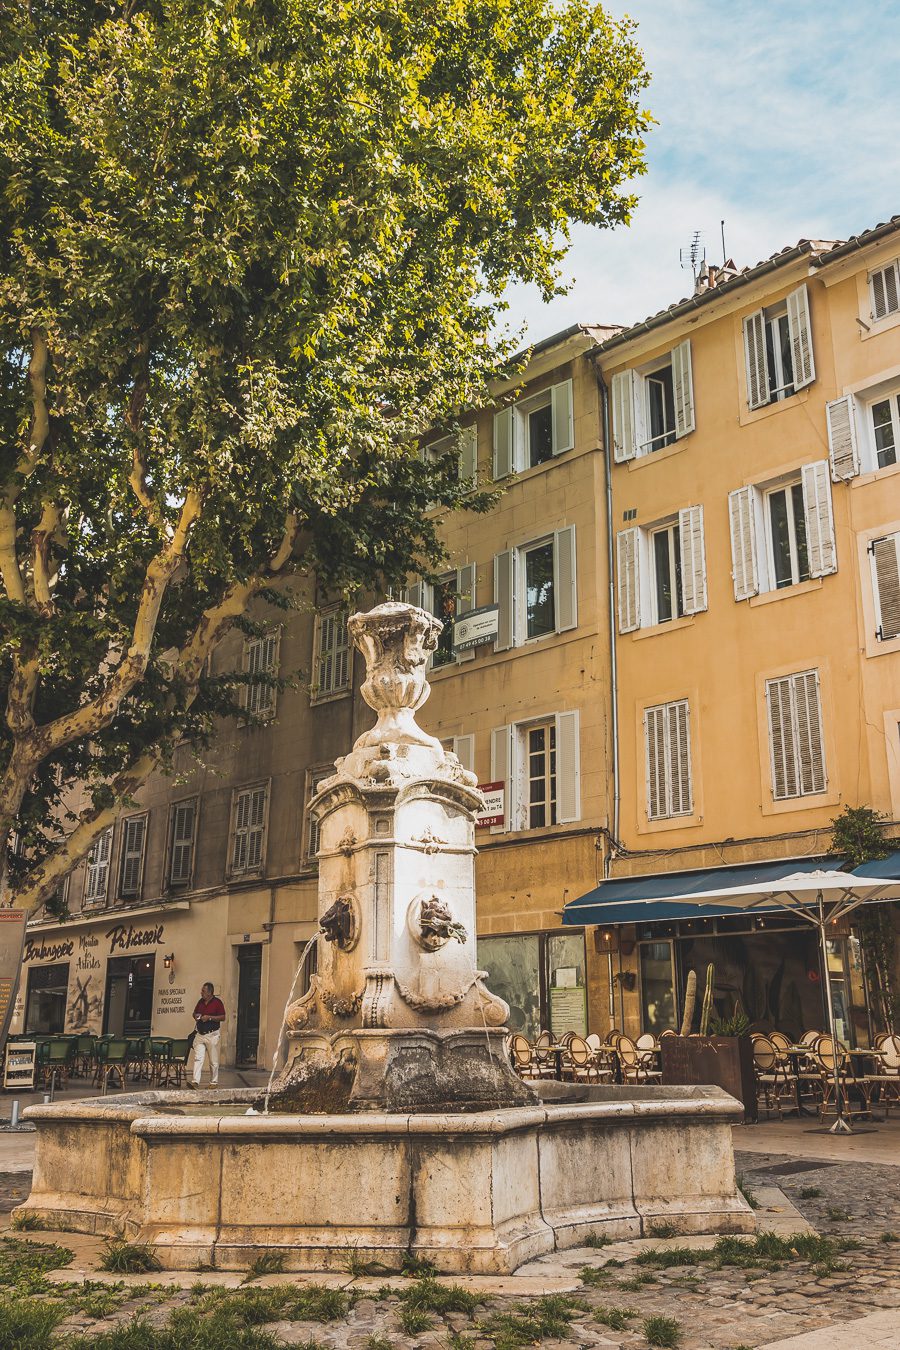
[(783, 119)]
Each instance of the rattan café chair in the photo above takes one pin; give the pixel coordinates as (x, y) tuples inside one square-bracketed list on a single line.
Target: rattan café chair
[(887, 1077), (773, 1085)]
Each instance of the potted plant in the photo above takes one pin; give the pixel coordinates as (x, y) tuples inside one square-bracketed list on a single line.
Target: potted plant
[(721, 1054)]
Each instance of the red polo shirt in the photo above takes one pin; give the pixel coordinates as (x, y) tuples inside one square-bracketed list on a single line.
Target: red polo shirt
[(207, 1010)]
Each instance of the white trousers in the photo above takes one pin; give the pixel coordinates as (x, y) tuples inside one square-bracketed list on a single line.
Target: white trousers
[(203, 1046)]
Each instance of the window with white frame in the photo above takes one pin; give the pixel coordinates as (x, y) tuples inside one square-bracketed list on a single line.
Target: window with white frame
[(182, 838), (249, 809), (653, 405), (538, 762), (796, 745), (448, 598), (463, 443), (782, 532), (864, 431), (131, 861), (533, 430), (661, 571), (667, 741), (778, 350), (98, 860), (332, 655), (535, 589), (884, 290), (884, 558), (261, 663), (315, 777)]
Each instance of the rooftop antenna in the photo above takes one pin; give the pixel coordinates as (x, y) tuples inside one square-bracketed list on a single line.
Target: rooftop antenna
[(724, 254), (693, 255)]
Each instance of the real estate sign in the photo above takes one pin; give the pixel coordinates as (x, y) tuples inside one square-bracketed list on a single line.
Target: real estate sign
[(476, 628), (494, 805)]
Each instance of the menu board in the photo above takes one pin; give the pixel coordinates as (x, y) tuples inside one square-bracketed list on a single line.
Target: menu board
[(568, 1010)]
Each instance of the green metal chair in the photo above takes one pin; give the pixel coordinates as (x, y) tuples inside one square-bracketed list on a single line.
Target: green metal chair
[(159, 1052), (59, 1058), (112, 1058), (181, 1050)]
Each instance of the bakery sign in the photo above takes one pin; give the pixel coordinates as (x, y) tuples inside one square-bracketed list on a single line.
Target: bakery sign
[(476, 628), (123, 939), (494, 811)]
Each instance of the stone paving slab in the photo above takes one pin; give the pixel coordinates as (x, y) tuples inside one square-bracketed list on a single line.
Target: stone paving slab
[(881, 1329)]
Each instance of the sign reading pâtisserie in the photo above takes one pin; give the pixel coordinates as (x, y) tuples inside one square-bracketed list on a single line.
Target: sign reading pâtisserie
[(476, 628)]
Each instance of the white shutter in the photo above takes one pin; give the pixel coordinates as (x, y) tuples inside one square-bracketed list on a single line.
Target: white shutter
[(655, 744), (755, 355), (745, 572), (801, 337), (98, 866), (810, 749), (562, 417), (782, 739), (415, 595), (468, 452), (503, 443), (628, 545), (693, 559), (842, 446), (568, 768), (565, 598), (886, 585), (464, 750), (624, 439), (819, 520), (885, 291), (502, 770), (184, 815), (465, 600), (133, 836), (505, 597), (679, 751), (683, 388)]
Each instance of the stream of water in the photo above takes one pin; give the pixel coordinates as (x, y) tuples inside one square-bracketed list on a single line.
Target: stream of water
[(290, 998)]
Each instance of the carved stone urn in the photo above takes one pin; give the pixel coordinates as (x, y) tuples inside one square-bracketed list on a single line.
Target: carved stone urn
[(396, 641)]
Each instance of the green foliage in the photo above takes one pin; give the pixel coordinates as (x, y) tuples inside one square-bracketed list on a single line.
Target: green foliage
[(663, 1331), (413, 1320), (616, 1319), (593, 1275), (810, 1192), (596, 1240), (738, 1024), (429, 1295), (29, 1323), (747, 1193), (23, 1263), (23, 1221), (379, 1343), (706, 1009), (662, 1230), (889, 1237), (292, 1303), (859, 834), (267, 1263), (417, 1267), (129, 1258), (690, 1000), (747, 1252), (545, 1318)]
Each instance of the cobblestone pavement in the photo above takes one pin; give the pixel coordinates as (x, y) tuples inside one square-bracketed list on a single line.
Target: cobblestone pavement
[(731, 1308)]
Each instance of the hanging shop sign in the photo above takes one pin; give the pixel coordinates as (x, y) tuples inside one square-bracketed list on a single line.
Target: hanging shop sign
[(477, 628), (494, 805)]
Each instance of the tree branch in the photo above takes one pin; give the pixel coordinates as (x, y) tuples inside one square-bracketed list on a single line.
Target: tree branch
[(41, 538)]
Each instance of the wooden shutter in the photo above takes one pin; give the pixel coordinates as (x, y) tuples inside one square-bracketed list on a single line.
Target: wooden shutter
[(502, 771), (562, 417), (468, 452), (801, 337), (842, 445), (565, 597), (679, 750), (505, 597), (693, 559), (819, 520), (464, 750), (782, 739), (808, 720), (885, 291), (742, 515), (655, 744), (256, 820), (886, 585), (262, 659), (184, 815), (624, 439), (415, 595), (465, 600), (98, 866), (133, 835), (628, 544), (755, 355), (568, 768), (683, 387), (503, 443)]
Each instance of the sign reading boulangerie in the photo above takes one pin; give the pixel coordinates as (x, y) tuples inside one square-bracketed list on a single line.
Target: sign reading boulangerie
[(12, 932)]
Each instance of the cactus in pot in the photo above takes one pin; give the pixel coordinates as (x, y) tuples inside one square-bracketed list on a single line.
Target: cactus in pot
[(707, 999), (690, 1000)]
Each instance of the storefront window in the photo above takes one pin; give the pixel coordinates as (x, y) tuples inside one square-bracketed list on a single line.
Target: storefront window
[(657, 987), (566, 983), (129, 996), (45, 1006), (542, 978), (776, 978)]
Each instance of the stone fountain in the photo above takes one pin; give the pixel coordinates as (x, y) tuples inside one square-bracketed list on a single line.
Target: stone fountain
[(397, 1126)]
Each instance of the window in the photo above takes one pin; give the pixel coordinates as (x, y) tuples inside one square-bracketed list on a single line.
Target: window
[(653, 406), (131, 863), (332, 658), (535, 589), (668, 752), (248, 829), (98, 868), (885, 415), (864, 432), (464, 442), (782, 533), (884, 290), (533, 430), (661, 571), (778, 350), (261, 660), (449, 598), (314, 779), (884, 554), (539, 764), (182, 835), (45, 1001), (795, 736), (443, 607)]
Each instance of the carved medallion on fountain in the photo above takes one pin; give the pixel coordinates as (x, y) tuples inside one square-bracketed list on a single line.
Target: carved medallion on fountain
[(398, 999)]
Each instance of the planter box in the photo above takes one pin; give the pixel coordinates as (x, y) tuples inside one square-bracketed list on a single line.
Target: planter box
[(725, 1061)]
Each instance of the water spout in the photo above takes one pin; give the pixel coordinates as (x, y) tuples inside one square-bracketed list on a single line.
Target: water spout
[(290, 998)]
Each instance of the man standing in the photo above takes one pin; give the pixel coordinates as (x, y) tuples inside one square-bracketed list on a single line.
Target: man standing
[(209, 1015)]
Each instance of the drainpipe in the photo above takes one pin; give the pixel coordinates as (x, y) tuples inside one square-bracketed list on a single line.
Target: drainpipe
[(613, 659)]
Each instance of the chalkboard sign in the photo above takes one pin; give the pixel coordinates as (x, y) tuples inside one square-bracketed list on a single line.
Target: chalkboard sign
[(723, 1061), (19, 1065)]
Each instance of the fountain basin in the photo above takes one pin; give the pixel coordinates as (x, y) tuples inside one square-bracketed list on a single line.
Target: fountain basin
[(476, 1192)]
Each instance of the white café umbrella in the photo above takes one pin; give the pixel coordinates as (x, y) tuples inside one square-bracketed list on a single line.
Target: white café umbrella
[(806, 895)]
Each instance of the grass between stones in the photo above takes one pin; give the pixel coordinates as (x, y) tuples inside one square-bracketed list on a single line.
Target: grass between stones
[(543, 1319), (662, 1331), (762, 1250), (616, 1319), (128, 1258)]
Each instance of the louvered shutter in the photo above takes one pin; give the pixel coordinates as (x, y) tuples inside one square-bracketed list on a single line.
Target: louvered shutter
[(98, 866), (820, 541), (679, 752), (468, 452), (239, 848), (502, 771), (415, 595), (624, 439), (885, 291), (256, 815), (810, 749), (801, 337), (628, 545), (565, 597), (655, 744), (755, 355), (505, 598), (133, 835), (568, 768), (464, 750), (503, 443), (465, 600), (184, 815), (262, 659), (742, 516), (886, 585), (693, 559), (562, 417), (683, 388), (842, 446), (782, 739)]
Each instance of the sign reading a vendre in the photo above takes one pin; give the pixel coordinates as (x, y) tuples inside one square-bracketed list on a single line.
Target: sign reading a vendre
[(476, 628), (494, 805)]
